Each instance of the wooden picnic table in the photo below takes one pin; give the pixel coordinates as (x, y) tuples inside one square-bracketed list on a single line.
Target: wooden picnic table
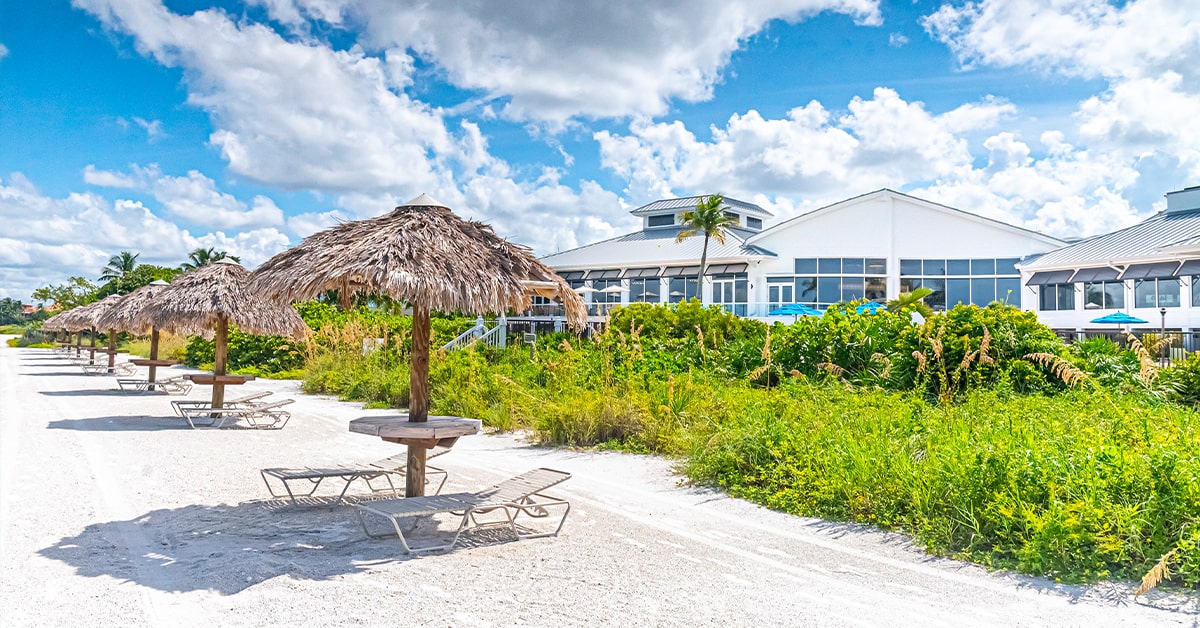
[(146, 362), (438, 431), (208, 379)]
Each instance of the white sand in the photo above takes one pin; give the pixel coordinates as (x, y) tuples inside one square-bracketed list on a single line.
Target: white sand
[(112, 513)]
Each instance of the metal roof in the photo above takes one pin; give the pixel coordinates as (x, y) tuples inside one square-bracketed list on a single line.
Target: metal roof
[(1145, 240), (655, 247), (690, 202)]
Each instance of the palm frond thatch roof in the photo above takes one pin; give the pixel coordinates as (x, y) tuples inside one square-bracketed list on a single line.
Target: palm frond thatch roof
[(54, 322), (196, 300), (86, 317), (125, 315), (420, 253)]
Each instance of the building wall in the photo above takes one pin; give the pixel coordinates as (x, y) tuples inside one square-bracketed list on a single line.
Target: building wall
[(894, 228)]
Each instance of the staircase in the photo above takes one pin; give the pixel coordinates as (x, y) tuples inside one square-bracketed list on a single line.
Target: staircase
[(496, 336)]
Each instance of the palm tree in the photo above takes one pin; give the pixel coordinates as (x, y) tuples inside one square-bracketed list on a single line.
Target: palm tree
[(709, 220), (119, 265), (204, 257)]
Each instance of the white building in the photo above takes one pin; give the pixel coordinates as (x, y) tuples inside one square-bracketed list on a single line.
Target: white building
[(1150, 271), (873, 246)]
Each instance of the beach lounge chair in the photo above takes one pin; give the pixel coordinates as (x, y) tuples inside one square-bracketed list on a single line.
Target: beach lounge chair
[(261, 416), (252, 399), (380, 469), (177, 385), (521, 495), (120, 368)]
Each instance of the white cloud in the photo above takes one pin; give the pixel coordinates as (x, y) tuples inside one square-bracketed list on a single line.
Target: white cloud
[(884, 141), (153, 128), (897, 40), (1148, 51), (295, 114), (558, 60), (48, 239), (195, 198), (3, 51), (108, 178)]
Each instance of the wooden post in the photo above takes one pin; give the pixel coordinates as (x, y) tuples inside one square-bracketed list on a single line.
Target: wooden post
[(78, 342), (418, 398), (153, 355), (92, 357), (220, 338), (112, 349)]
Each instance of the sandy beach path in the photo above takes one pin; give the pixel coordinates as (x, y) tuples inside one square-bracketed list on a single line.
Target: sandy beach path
[(113, 512)]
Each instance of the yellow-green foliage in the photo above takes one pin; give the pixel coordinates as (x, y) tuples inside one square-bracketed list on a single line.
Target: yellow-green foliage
[(976, 434)]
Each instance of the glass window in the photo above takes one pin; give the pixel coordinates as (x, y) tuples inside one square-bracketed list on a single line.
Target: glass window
[(938, 298), (1168, 292), (806, 290), (876, 266), (806, 266), (1058, 296), (852, 288), (1093, 295), (958, 291), (754, 223), (1008, 290), (829, 265), (740, 290), (908, 284), (852, 266), (983, 291), (1007, 266), (1195, 290), (1066, 296), (910, 267), (1144, 293), (960, 267), (681, 289), (779, 294), (875, 289), (829, 289), (1114, 295), (983, 267), (644, 290), (661, 221), (935, 267)]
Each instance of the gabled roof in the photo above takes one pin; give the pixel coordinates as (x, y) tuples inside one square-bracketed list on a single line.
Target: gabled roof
[(1150, 239), (886, 192), (690, 202), (655, 246)]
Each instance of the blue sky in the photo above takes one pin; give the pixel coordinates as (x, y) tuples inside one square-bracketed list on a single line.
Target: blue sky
[(158, 127)]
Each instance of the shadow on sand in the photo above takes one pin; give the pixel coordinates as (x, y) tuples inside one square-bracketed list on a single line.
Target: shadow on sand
[(231, 548), (108, 392), (121, 424)]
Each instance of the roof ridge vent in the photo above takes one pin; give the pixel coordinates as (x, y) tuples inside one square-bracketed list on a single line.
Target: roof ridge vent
[(1185, 200)]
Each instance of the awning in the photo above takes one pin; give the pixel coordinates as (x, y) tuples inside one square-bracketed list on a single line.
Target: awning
[(610, 273), (1190, 267), (681, 271), (725, 269), (1047, 277), (572, 275), (1103, 273), (1156, 270), (638, 273)]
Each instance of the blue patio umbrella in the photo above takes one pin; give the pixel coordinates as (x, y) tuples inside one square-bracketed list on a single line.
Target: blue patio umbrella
[(794, 309), (1118, 318), (870, 307)]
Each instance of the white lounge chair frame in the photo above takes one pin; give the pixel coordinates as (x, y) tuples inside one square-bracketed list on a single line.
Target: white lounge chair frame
[(265, 416), (521, 495), (120, 368), (393, 466), (245, 401), (177, 385)]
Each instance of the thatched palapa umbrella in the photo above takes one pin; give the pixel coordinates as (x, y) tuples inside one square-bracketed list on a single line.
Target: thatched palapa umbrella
[(125, 316), (422, 254), (206, 300), (86, 317)]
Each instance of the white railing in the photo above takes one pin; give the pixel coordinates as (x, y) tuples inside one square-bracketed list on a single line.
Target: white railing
[(496, 336)]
